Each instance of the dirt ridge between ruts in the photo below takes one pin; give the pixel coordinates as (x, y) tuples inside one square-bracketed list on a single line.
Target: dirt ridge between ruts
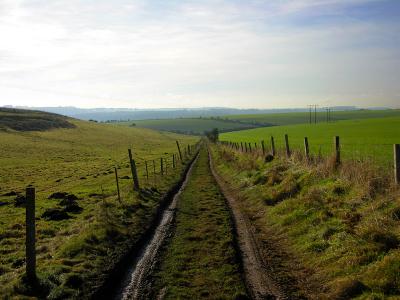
[(112, 283), (259, 273)]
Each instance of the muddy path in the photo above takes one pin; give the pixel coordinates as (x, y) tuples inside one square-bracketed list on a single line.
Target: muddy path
[(260, 262), (128, 279), (200, 260), (135, 283)]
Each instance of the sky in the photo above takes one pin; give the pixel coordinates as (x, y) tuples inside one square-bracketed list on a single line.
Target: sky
[(211, 53)]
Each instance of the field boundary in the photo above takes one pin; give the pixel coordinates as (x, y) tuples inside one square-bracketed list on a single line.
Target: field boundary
[(335, 157)]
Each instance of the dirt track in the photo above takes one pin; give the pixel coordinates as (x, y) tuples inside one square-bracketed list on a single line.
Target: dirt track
[(261, 263), (258, 275), (136, 282), (258, 263)]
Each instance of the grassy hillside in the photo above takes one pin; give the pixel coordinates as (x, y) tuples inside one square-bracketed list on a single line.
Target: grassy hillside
[(28, 120), (340, 224), (82, 230), (368, 138), (195, 126), (303, 117)]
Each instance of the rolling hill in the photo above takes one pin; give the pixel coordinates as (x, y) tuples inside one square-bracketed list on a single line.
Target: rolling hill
[(82, 228)]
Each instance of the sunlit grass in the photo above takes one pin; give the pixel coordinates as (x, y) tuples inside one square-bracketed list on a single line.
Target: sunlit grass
[(79, 161)]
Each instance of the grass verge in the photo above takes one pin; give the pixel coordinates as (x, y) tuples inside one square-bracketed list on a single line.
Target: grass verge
[(342, 224)]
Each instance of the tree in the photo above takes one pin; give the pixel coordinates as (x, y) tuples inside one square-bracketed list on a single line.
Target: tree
[(213, 135)]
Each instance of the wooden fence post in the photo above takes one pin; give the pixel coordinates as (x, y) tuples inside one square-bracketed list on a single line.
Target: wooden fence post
[(250, 147), (179, 150), (245, 145), (134, 171), (147, 170), (241, 146), (263, 147), (116, 180), (173, 161), (396, 150), (161, 166), (287, 145), (188, 147), (337, 150), (272, 146), (30, 235), (306, 149)]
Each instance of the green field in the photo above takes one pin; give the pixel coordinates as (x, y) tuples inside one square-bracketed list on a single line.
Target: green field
[(196, 126), (303, 117), (80, 236), (368, 138)]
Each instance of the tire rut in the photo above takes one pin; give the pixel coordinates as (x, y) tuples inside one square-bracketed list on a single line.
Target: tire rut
[(136, 281), (259, 275)]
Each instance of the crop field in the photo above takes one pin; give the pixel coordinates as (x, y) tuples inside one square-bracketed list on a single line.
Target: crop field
[(195, 126), (370, 139), (304, 117), (82, 228)]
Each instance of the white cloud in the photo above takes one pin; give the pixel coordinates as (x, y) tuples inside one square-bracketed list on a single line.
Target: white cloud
[(143, 54)]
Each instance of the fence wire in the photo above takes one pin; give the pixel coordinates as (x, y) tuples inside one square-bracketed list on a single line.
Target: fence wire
[(379, 154)]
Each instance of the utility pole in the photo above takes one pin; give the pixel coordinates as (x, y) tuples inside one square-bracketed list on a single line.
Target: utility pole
[(327, 114), (315, 114), (310, 109)]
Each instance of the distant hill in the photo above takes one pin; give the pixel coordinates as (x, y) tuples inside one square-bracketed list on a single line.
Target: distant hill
[(304, 117), (125, 114), (194, 126), (30, 120)]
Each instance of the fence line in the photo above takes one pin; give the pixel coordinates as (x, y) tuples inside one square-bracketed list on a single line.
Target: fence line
[(109, 169), (30, 251), (336, 149)]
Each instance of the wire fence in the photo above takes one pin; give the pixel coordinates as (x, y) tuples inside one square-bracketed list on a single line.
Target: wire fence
[(151, 170), (381, 155)]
